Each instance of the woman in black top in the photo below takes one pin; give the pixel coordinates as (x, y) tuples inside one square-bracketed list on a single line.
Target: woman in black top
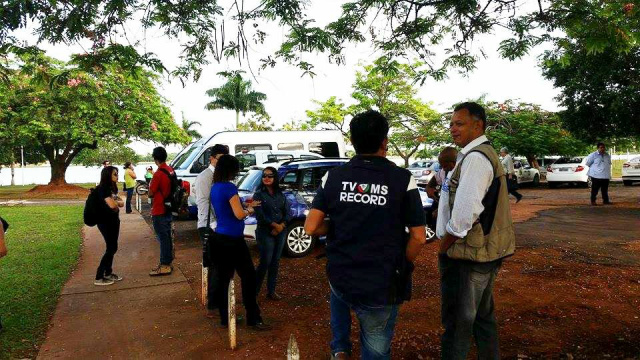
[(272, 216), (108, 223)]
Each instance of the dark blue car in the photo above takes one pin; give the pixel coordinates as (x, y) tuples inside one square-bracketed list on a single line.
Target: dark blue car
[(300, 180)]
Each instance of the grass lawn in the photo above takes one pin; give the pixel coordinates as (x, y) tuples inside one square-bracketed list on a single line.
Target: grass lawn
[(15, 192), (44, 246)]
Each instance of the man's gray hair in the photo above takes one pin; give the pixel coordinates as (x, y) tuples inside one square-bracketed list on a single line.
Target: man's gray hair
[(505, 150)]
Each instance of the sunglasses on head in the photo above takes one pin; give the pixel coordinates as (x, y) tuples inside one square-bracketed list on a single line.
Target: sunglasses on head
[(267, 176)]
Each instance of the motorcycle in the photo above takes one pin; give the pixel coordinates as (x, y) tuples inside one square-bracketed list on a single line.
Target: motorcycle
[(142, 187)]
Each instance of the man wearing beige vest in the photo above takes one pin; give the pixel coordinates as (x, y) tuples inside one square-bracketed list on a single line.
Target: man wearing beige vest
[(476, 233)]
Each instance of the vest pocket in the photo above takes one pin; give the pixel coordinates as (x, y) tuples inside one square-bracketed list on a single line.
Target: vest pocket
[(475, 237)]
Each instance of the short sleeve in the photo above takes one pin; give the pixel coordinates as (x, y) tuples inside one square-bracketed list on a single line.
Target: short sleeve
[(413, 212), (230, 191), (320, 200)]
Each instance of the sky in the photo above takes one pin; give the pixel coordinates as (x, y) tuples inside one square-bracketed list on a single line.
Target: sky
[(289, 95)]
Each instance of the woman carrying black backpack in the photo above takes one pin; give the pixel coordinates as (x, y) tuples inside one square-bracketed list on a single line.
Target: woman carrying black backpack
[(108, 223)]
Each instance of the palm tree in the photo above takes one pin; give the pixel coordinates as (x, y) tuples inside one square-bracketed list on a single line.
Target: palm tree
[(236, 94), (186, 126)]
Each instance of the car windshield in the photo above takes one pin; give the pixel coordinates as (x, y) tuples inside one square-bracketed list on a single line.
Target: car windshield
[(187, 158), (563, 161), (246, 160), (419, 164), (250, 181)]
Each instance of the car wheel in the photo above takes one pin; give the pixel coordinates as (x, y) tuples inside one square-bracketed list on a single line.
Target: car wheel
[(536, 180), (627, 182), (552, 185), (297, 242), (141, 189)]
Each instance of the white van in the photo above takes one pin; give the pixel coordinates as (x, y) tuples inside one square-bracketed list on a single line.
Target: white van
[(195, 158), (259, 157)]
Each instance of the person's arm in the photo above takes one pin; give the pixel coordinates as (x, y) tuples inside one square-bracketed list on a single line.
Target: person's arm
[(285, 211), (590, 160), (261, 215), (202, 192), (315, 224), (132, 173), (3, 244), (414, 219), (238, 211), (475, 179), (112, 204), (431, 186), (154, 186)]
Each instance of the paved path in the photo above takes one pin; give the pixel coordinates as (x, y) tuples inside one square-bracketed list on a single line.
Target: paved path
[(139, 317)]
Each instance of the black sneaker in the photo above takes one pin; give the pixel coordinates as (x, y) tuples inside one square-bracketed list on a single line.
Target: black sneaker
[(260, 326), (113, 277)]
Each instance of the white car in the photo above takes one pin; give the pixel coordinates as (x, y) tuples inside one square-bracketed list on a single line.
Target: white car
[(525, 173), (569, 170), (423, 171), (631, 171)]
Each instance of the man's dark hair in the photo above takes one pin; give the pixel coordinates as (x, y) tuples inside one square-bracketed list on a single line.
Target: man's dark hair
[(218, 149), (475, 110), (159, 154), (226, 169), (600, 144), (104, 163), (368, 131)]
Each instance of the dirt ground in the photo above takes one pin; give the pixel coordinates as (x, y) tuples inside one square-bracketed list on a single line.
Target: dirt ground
[(66, 191), (572, 290)]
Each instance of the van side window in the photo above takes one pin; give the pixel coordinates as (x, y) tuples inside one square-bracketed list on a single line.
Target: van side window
[(326, 149), (249, 147), (290, 146)]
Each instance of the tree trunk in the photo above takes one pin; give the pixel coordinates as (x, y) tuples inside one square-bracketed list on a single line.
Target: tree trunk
[(13, 173), (237, 119), (58, 170), (533, 161)]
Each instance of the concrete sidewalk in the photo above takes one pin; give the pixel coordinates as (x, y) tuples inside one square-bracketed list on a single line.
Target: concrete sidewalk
[(139, 317)]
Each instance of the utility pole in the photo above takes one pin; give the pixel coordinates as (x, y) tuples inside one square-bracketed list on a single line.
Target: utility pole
[(22, 156)]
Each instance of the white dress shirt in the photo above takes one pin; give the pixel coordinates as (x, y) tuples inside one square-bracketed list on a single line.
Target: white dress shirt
[(475, 178), (599, 165), (202, 189), (507, 165)]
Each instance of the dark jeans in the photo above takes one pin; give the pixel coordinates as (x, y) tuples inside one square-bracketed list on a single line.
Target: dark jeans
[(128, 202), (162, 227), (377, 323), (110, 233), (270, 248), (467, 308), (232, 254), (512, 187), (212, 275), (601, 185)]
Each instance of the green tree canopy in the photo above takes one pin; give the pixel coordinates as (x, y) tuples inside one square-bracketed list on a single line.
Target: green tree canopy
[(236, 94), (527, 130), (115, 152), (65, 109), (187, 127)]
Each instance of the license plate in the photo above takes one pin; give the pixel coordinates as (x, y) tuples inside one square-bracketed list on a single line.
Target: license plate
[(564, 169)]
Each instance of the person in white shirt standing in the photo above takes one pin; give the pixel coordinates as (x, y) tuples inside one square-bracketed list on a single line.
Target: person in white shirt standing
[(512, 181), (476, 232), (599, 164), (206, 215)]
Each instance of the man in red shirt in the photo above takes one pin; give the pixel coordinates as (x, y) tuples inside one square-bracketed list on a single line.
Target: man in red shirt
[(159, 191)]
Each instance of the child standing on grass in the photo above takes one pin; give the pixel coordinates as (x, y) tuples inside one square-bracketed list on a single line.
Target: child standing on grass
[(109, 224)]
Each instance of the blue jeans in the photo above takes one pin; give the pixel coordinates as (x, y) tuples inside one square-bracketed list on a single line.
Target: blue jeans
[(377, 323), (128, 202), (468, 308), (162, 227), (270, 248)]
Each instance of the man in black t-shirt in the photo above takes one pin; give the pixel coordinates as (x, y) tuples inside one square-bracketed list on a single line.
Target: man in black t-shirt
[(370, 202)]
